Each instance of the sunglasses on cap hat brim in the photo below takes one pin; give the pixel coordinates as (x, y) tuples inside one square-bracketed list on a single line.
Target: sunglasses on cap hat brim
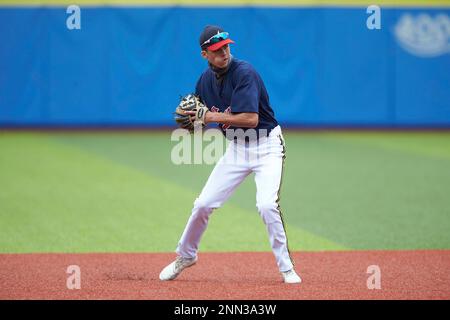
[(217, 41)]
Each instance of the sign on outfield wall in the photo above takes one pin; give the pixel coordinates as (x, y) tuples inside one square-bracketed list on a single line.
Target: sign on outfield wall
[(424, 35)]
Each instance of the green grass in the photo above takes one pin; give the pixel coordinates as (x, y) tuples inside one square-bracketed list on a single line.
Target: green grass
[(119, 192)]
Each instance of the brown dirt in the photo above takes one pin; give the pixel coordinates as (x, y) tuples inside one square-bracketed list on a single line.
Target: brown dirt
[(221, 276)]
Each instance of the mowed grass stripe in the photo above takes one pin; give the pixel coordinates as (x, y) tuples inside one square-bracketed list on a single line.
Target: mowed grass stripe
[(431, 144), (368, 197), (355, 194), (59, 198)]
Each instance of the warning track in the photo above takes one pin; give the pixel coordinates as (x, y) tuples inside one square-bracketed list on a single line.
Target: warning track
[(222, 276)]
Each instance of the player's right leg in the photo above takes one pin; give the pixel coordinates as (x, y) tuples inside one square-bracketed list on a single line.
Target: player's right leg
[(224, 179), (268, 170)]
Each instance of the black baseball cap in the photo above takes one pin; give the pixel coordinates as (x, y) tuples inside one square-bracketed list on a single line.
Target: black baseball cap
[(213, 38)]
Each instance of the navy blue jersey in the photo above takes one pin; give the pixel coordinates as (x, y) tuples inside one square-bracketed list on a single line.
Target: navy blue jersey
[(241, 89)]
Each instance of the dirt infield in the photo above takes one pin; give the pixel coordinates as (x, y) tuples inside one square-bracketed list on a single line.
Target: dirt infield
[(221, 276)]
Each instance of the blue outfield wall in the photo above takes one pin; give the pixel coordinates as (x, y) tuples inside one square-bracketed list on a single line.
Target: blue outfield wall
[(128, 66)]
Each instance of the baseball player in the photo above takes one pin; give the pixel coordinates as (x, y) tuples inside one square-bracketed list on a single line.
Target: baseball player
[(235, 97)]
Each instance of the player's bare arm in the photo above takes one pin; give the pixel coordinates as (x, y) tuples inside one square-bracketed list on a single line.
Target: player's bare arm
[(243, 119)]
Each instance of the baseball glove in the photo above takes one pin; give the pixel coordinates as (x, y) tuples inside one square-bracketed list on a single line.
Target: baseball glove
[(190, 102)]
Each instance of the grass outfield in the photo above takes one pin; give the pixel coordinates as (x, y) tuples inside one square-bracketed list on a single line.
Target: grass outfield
[(119, 192)]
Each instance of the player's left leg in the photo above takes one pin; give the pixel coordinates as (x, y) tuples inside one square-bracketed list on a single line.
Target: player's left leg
[(268, 170)]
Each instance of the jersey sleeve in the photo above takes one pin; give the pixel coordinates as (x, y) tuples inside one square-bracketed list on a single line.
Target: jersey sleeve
[(198, 87), (245, 96)]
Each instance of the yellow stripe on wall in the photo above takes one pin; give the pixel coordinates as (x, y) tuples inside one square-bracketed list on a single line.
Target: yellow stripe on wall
[(228, 3)]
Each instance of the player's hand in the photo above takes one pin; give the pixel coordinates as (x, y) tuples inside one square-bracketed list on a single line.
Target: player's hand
[(191, 115), (191, 111), (203, 116)]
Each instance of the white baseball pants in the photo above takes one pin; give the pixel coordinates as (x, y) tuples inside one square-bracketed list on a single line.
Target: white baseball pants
[(265, 158)]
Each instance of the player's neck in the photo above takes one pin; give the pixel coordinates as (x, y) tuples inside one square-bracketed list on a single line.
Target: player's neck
[(220, 72)]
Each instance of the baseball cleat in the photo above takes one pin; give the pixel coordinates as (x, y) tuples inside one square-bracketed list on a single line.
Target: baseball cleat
[(174, 269), (291, 277)]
